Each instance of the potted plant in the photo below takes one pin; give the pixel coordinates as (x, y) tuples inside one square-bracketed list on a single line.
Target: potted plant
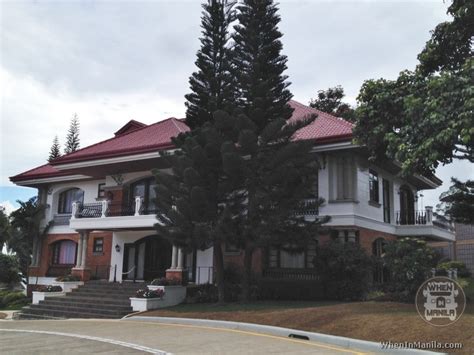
[(68, 282), (47, 291), (173, 288), (145, 300)]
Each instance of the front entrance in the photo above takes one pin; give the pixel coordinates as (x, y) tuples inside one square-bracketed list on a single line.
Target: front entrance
[(146, 259)]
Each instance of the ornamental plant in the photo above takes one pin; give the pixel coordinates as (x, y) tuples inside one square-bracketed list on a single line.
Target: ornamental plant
[(49, 288), (68, 278), (163, 281), (144, 293)]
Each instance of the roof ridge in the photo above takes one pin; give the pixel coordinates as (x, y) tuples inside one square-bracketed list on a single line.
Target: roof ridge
[(174, 119), (109, 139)]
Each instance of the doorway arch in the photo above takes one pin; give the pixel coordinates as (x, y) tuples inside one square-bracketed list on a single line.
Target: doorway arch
[(147, 258)]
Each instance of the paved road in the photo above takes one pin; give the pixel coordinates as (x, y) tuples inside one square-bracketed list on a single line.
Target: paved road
[(120, 337)]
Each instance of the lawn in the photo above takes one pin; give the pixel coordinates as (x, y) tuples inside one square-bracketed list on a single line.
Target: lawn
[(375, 321)]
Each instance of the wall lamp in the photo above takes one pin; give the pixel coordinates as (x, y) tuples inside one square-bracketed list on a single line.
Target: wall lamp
[(117, 248)]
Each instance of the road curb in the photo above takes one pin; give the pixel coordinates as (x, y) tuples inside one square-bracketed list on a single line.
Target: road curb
[(349, 343)]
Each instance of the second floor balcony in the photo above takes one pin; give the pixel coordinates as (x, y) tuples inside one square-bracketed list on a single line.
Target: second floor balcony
[(110, 215)]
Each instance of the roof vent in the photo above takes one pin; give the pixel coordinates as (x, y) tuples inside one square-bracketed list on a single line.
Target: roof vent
[(131, 126)]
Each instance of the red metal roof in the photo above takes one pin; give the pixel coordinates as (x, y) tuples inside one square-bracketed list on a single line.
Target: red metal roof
[(326, 128)]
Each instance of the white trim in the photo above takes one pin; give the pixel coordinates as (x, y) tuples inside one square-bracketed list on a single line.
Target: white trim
[(141, 221), (334, 146), (114, 160), (52, 179)]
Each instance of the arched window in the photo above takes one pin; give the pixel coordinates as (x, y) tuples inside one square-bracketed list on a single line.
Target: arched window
[(146, 190), (64, 252), (66, 198)]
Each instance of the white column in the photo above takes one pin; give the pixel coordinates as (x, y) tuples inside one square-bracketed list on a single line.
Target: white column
[(84, 249), (79, 251), (138, 204), (105, 204), (74, 210), (180, 258), (174, 256), (429, 215)]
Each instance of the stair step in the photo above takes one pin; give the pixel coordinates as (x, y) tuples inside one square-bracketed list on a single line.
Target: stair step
[(94, 299), (67, 309), (56, 303)]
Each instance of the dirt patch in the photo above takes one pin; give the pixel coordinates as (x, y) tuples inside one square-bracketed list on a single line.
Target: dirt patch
[(374, 321), (3, 315)]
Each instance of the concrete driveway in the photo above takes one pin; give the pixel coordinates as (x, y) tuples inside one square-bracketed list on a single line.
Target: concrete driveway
[(128, 337)]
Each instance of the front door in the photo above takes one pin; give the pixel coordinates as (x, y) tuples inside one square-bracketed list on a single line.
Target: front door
[(146, 259)]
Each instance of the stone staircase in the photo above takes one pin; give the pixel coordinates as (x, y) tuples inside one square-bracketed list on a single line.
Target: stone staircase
[(95, 299)]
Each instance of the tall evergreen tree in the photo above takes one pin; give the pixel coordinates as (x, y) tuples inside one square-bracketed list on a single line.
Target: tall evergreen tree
[(192, 199), (272, 179), (55, 151), (72, 138), (259, 64), (212, 86)]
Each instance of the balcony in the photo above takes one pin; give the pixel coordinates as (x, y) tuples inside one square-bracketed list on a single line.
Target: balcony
[(421, 223), (107, 215)]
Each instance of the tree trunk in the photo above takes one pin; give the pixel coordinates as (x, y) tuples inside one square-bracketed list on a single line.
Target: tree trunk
[(219, 267), (246, 281)]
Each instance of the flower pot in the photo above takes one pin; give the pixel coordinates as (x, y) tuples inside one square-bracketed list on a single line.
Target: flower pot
[(39, 296), (145, 304), (173, 294)]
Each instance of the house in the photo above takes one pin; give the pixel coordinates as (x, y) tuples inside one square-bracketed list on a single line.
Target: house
[(101, 201)]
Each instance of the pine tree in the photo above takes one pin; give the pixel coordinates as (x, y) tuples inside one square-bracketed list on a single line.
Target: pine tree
[(259, 64), (55, 151), (212, 85), (272, 180), (72, 138), (192, 199)]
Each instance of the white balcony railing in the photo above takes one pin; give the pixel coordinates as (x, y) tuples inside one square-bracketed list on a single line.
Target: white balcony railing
[(107, 208)]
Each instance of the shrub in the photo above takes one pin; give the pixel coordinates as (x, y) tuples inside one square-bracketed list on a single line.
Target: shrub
[(49, 288), (205, 293), (463, 271), (68, 278), (9, 269), (409, 261), (145, 293), (12, 300), (344, 270), (165, 282)]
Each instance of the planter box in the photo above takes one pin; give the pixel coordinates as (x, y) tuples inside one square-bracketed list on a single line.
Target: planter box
[(68, 286), (39, 296), (145, 304), (173, 295)]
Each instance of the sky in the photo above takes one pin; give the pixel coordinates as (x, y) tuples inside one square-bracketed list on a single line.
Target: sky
[(112, 61)]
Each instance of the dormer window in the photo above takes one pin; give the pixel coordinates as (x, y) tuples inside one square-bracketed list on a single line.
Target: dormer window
[(66, 198)]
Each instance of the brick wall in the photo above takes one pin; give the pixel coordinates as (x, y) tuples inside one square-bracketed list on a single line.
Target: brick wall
[(95, 261)]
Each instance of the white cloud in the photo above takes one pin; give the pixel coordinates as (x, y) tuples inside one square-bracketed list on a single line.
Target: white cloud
[(8, 206)]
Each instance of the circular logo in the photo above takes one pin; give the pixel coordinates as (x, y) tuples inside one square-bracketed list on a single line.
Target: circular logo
[(440, 301)]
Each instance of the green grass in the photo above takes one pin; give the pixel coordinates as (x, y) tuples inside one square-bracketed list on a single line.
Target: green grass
[(246, 307), (468, 287)]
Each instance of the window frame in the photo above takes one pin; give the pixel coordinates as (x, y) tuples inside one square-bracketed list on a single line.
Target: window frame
[(96, 244), (374, 189), (63, 207), (101, 190), (386, 201)]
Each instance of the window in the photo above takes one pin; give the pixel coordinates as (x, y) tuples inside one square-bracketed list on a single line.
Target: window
[(280, 258), (146, 190), (101, 191), (374, 186), (98, 245), (386, 200), (346, 236), (342, 178), (66, 198), (64, 252)]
